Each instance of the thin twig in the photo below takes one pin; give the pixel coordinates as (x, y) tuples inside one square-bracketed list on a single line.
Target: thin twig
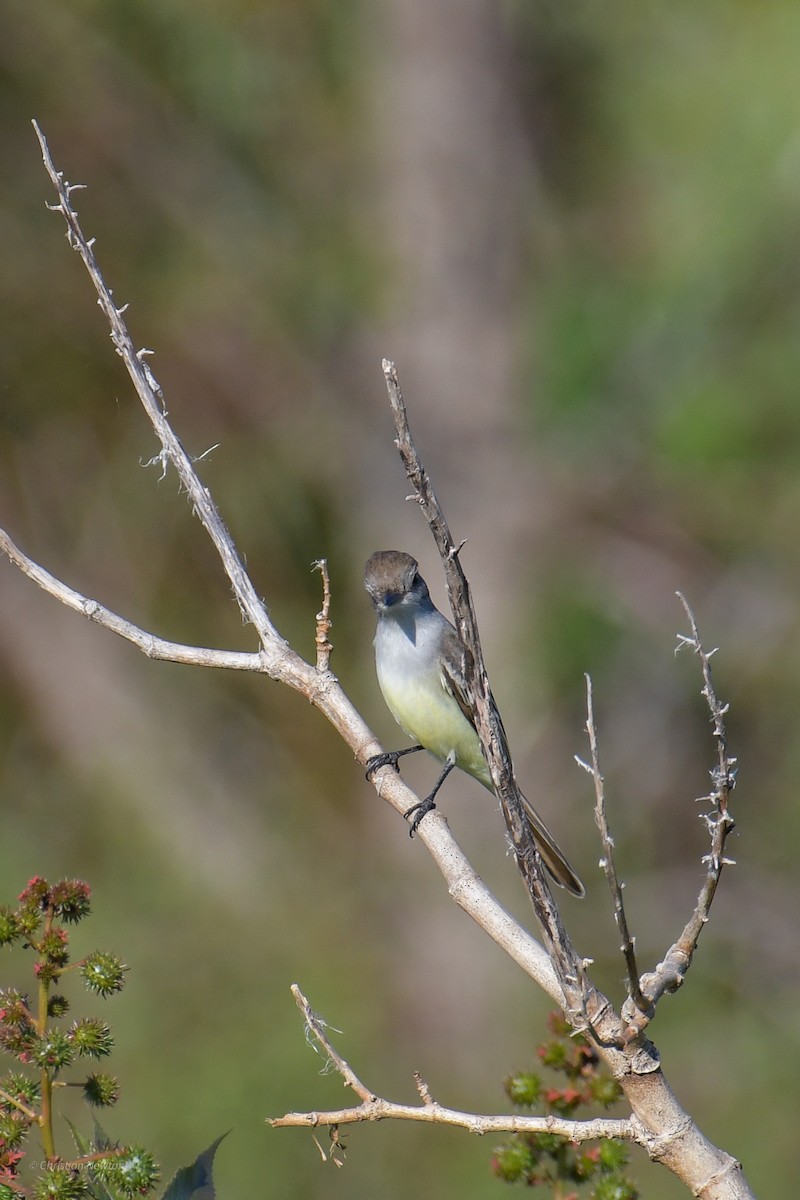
[(7, 1098), (148, 643), (323, 627), (607, 862), (671, 972), (152, 399), (479, 1123), (487, 717), (375, 1108), (724, 774), (276, 658), (315, 1028)]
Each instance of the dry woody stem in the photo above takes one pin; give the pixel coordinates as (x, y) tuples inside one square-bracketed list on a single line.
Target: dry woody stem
[(627, 948), (375, 1108), (489, 726), (670, 973)]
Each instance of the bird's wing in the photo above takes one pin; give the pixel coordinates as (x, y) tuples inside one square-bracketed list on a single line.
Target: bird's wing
[(453, 677), (454, 682), (452, 673)]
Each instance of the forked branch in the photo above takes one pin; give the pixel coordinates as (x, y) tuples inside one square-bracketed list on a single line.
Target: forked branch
[(375, 1108), (608, 862), (148, 643), (152, 399)]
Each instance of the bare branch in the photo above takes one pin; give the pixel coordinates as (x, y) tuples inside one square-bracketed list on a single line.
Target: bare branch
[(148, 643), (374, 1108), (489, 727), (724, 774), (671, 972), (152, 400), (672, 1139), (607, 862), (433, 1113), (315, 1029), (487, 718), (276, 658), (324, 647)]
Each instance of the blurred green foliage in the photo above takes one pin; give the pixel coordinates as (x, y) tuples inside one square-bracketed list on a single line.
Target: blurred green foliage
[(238, 163), (547, 1160)]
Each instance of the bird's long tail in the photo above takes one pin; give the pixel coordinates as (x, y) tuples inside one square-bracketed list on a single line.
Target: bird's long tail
[(551, 856)]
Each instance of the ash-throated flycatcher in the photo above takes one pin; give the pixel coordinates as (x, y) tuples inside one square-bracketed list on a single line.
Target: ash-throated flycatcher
[(418, 657)]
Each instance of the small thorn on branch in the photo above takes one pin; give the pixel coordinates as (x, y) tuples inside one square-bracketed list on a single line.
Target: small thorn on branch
[(196, 458)]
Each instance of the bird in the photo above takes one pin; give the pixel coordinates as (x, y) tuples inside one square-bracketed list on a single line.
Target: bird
[(419, 663)]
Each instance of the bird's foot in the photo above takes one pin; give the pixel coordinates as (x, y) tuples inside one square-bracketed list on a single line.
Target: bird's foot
[(389, 758), (421, 809)]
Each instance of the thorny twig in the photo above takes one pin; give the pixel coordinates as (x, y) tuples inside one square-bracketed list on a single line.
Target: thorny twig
[(580, 997), (670, 973), (375, 1108), (152, 399), (154, 647), (607, 862)]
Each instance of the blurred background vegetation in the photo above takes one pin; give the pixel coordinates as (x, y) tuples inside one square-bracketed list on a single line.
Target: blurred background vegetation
[(575, 227)]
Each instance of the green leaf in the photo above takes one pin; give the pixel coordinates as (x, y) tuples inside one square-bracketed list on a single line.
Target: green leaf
[(84, 1146), (195, 1180)]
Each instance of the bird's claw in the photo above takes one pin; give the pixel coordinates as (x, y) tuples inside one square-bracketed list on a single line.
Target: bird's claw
[(421, 808), (389, 758)]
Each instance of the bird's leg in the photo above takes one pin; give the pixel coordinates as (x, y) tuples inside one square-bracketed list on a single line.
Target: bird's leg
[(423, 807), (389, 758)]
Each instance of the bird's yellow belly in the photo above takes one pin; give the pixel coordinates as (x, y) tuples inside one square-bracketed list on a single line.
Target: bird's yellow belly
[(431, 716)]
